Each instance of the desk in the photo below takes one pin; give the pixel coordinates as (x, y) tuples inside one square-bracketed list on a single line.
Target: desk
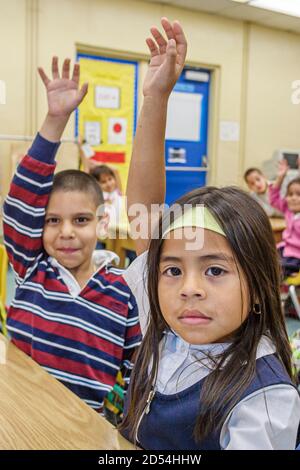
[(278, 226), (38, 412)]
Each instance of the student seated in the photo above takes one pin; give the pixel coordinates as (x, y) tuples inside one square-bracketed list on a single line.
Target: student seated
[(77, 321), (106, 178), (289, 248), (214, 368), (258, 185)]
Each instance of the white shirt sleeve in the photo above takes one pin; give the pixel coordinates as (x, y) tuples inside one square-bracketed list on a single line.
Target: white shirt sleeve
[(265, 420), (136, 278)]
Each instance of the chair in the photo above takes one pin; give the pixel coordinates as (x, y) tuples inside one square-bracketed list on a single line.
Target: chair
[(3, 274), (293, 283)]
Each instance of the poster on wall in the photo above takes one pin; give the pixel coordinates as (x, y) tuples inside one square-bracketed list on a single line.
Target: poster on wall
[(184, 117), (107, 97), (112, 104), (117, 129), (92, 132)]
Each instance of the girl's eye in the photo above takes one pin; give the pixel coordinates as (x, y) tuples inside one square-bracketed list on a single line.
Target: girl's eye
[(172, 272), (214, 271), (81, 220)]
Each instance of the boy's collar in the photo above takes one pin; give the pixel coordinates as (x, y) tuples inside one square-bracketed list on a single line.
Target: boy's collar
[(101, 258)]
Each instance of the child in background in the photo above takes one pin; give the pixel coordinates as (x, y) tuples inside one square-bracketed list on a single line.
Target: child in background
[(110, 184), (258, 185), (214, 367), (289, 248), (77, 321)]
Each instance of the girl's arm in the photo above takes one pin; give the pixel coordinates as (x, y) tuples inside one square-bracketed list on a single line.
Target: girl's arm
[(281, 173), (274, 189), (146, 181), (118, 178)]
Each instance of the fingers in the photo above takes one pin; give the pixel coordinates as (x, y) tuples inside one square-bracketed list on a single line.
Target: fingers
[(173, 31), (83, 91), (171, 55), (168, 28), (66, 69), (159, 39), (152, 47), (55, 72), (43, 76), (76, 73), (180, 41)]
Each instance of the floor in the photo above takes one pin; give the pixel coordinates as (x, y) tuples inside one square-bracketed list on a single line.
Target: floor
[(291, 323)]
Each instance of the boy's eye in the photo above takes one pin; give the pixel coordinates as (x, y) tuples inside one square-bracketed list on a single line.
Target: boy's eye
[(173, 271), (52, 220), (214, 271)]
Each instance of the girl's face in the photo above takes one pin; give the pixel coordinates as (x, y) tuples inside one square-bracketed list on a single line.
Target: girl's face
[(293, 198), (202, 296), (107, 183), (257, 182)]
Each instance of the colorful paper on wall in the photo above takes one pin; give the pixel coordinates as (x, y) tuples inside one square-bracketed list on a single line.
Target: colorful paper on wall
[(92, 132), (117, 128), (110, 102)]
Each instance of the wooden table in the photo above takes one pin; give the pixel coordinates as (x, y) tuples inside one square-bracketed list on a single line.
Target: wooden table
[(38, 412), (278, 226)]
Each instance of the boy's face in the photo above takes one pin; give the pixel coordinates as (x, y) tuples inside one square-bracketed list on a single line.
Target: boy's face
[(293, 198), (69, 233), (107, 183), (202, 294), (257, 182)]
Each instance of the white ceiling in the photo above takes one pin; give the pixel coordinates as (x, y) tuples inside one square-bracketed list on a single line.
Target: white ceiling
[(238, 11)]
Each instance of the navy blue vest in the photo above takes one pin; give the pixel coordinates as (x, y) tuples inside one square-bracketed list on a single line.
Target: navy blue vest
[(170, 423)]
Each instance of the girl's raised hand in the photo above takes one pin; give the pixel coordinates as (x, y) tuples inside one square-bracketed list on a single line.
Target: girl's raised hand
[(63, 92), (167, 58), (282, 168)]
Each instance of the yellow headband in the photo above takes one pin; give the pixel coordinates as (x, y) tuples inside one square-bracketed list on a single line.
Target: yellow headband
[(197, 216)]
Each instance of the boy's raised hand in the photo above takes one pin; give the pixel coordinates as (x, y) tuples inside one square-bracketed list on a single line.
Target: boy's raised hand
[(167, 58), (63, 92)]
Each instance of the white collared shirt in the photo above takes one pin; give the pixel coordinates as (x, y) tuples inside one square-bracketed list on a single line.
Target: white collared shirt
[(101, 258)]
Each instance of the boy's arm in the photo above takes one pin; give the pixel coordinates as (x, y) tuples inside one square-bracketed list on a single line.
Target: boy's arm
[(146, 180), (25, 205), (132, 340)]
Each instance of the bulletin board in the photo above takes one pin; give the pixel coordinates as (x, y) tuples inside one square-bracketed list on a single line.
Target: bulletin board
[(107, 116)]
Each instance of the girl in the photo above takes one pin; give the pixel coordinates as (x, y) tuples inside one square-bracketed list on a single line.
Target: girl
[(214, 368), (258, 185), (289, 248)]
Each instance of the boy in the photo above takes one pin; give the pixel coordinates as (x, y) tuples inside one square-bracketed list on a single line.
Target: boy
[(78, 322), (258, 185)]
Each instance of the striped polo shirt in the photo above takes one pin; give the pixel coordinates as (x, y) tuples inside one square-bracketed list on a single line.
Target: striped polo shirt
[(82, 340)]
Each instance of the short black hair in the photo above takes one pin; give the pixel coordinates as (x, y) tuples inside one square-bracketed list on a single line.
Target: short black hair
[(76, 180), (251, 170), (100, 170)]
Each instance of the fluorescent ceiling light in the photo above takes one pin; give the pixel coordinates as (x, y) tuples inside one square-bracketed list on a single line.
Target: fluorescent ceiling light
[(288, 7)]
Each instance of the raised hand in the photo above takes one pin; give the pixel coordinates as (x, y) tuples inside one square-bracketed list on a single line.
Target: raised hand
[(283, 168), (167, 58), (63, 92)]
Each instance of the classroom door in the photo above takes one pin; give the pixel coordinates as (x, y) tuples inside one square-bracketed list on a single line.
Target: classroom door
[(186, 134)]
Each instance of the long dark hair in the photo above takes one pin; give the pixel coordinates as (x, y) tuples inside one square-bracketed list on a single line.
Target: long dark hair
[(250, 237)]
